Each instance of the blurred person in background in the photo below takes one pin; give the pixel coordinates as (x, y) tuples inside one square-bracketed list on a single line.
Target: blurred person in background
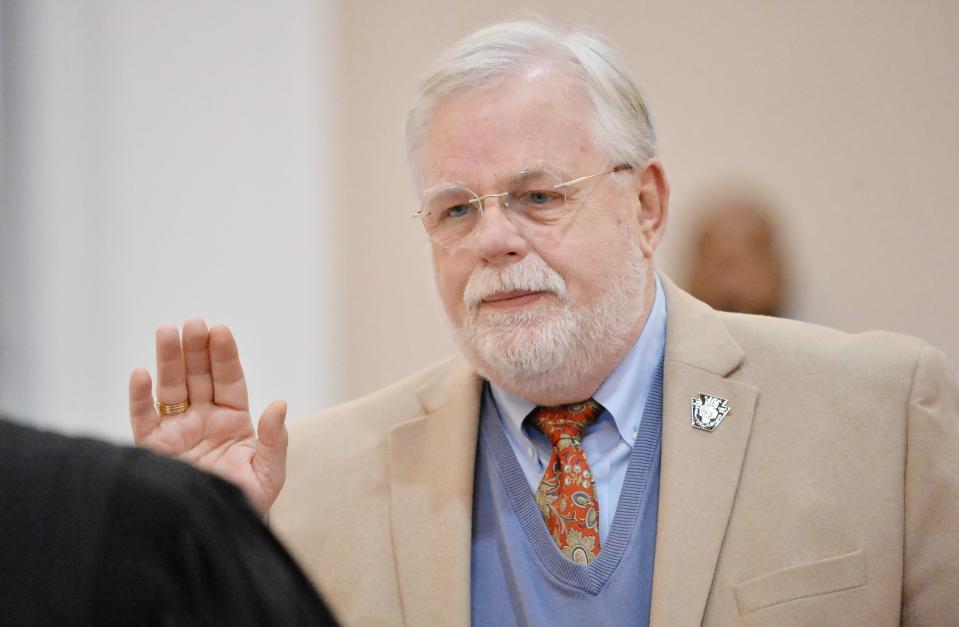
[(606, 449), (737, 260), (97, 534)]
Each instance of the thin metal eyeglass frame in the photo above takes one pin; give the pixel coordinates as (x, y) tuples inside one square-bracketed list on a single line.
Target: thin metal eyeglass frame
[(478, 200)]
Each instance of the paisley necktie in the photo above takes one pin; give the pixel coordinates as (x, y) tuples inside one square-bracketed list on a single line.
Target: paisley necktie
[(567, 494)]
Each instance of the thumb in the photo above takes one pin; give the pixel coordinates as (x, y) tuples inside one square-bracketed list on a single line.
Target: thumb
[(269, 463)]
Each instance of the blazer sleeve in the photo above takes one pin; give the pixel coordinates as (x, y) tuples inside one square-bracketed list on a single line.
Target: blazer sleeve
[(931, 551)]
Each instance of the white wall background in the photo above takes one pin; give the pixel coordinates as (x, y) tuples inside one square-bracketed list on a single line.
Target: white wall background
[(163, 159)]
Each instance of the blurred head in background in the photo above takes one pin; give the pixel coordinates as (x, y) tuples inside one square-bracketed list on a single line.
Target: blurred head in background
[(737, 262)]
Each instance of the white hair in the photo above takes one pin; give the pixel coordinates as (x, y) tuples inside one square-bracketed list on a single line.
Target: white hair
[(623, 126)]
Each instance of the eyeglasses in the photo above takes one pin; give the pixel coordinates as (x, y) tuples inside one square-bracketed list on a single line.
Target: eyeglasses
[(537, 200)]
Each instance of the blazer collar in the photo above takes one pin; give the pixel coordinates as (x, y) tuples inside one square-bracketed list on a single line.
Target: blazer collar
[(432, 458), (696, 334), (699, 471)]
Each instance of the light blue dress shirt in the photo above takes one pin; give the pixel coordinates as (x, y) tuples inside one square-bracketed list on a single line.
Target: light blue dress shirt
[(609, 441)]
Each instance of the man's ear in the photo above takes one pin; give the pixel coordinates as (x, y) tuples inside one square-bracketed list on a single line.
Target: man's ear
[(654, 206)]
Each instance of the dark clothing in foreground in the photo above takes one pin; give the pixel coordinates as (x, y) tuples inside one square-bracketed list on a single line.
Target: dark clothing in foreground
[(96, 534)]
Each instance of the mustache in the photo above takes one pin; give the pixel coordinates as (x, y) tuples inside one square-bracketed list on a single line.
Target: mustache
[(531, 274)]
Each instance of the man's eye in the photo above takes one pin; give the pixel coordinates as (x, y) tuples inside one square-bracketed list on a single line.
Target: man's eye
[(539, 198), (457, 211)]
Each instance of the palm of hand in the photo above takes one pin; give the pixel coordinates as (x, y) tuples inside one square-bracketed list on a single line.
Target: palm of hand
[(216, 433)]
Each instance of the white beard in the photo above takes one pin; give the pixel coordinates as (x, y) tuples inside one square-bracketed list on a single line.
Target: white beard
[(548, 346)]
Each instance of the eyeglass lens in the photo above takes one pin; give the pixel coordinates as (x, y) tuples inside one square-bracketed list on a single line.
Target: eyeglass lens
[(534, 200)]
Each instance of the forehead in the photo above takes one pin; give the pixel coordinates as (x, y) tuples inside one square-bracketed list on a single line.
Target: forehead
[(535, 117)]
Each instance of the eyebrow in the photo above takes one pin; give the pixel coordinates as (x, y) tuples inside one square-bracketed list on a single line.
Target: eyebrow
[(447, 186), (518, 177), (538, 169)]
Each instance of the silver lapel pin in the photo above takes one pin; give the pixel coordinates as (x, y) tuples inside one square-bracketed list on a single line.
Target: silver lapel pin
[(709, 411)]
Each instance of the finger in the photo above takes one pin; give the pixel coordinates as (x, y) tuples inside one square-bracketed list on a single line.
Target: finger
[(196, 357), (269, 463), (171, 375), (143, 417), (229, 386)]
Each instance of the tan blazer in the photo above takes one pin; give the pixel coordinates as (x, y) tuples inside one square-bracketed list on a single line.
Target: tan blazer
[(829, 495)]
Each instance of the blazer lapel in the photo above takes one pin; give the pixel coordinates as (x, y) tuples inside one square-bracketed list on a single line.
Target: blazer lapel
[(699, 470), (431, 495)]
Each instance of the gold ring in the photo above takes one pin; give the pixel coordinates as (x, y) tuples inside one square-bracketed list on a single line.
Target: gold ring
[(168, 410)]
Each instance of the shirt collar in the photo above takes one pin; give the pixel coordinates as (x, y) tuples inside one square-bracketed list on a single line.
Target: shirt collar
[(624, 391)]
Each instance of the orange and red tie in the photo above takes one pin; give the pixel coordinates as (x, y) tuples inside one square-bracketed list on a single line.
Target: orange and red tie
[(567, 495)]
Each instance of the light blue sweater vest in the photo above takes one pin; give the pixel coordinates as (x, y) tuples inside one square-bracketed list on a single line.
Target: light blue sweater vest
[(518, 575)]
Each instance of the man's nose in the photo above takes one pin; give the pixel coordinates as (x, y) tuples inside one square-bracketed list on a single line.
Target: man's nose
[(498, 240)]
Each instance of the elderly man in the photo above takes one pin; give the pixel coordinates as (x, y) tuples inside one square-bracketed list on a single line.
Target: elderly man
[(607, 450)]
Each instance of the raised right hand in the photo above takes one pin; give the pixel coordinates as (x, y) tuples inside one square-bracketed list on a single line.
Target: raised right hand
[(216, 433)]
